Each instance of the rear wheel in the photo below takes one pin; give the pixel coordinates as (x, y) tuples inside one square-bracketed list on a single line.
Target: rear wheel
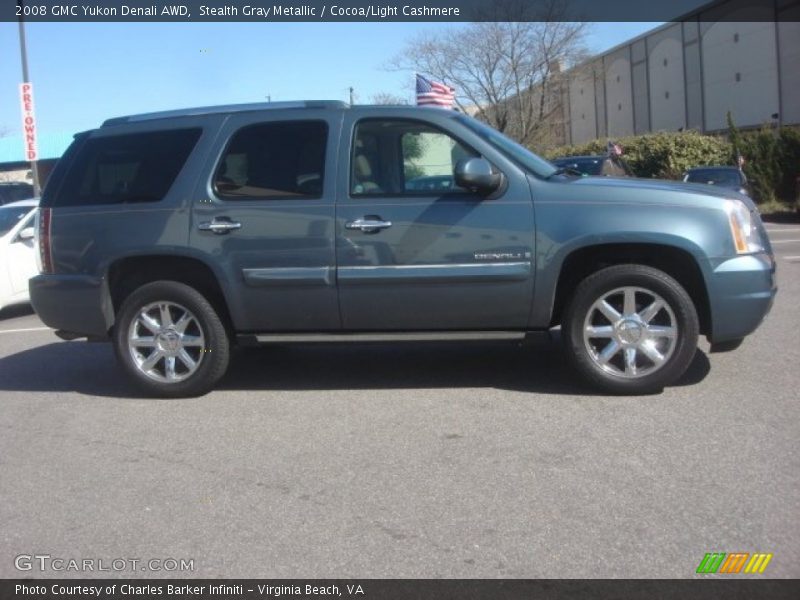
[(630, 329), (170, 340)]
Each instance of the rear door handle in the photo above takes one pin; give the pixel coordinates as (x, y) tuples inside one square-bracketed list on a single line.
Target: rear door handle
[(368, 224), (219, 225)]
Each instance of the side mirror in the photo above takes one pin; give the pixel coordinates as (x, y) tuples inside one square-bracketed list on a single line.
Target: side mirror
[(25, 234), (476, 174)]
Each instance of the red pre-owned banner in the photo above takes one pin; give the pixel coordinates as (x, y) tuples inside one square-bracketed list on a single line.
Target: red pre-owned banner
[(28, 121)]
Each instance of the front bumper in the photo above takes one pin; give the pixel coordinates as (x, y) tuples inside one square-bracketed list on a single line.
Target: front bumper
[(78, 304), (741, 291)]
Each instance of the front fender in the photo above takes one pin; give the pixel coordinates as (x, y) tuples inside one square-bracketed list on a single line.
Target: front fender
[(564, 227)]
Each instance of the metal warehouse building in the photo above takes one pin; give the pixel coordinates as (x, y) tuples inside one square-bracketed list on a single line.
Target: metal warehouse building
[(689, 73)]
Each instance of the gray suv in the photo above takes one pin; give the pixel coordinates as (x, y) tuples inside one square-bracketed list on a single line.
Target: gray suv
[(180, 234)]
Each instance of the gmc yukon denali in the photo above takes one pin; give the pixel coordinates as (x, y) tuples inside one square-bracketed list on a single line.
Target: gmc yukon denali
[(179, 234)]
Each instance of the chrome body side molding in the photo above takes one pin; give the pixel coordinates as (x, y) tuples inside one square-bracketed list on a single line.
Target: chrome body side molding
[(445, 273), (292, 276), (409, 336)]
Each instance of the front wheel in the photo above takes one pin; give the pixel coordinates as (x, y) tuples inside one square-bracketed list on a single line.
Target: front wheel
[(170, 340), (630, 329)]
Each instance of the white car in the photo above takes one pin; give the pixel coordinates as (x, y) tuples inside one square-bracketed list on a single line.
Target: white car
[(17, 251)]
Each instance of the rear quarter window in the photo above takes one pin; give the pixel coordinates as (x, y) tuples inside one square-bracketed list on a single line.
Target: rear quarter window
[(129, 168)]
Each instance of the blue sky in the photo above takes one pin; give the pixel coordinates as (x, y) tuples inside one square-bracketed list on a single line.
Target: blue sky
[(84, 73)]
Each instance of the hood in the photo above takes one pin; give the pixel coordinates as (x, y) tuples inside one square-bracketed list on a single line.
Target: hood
[(664, 189)]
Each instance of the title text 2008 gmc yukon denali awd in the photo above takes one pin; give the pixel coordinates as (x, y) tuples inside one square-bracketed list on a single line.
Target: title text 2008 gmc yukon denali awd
[(178, 234)]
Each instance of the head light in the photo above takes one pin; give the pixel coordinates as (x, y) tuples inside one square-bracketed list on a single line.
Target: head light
[(746, 237)]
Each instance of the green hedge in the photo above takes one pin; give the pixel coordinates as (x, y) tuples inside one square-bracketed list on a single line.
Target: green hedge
[(772, 163), (661, 155), (772, 158)]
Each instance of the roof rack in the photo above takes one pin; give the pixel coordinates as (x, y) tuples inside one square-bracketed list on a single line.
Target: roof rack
[(228, 108)]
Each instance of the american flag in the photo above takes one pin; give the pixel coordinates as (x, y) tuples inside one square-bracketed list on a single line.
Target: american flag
[(432, 93)]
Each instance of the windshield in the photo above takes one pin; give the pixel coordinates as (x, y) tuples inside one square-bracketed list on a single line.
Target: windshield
[(509, 147), (10, 216)]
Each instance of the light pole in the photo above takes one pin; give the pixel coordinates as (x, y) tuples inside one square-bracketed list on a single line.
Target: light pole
[(25, 79)]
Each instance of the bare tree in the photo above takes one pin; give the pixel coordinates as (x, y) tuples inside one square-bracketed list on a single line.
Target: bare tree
[(508, 71), (387, 98)]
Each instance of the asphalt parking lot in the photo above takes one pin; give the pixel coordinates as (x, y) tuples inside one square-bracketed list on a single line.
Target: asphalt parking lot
[(449, 460)]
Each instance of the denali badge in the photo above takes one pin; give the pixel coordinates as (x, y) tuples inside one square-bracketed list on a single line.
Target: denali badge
[(501, 255)]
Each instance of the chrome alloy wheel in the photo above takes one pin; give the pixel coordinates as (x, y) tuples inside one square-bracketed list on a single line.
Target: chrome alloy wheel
[(166, 342), (630, 332)]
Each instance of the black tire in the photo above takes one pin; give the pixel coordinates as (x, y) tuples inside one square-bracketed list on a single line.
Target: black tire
[(212, 355), (644, 279)]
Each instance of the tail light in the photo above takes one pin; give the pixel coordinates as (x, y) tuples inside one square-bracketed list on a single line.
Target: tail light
[(45, 219)]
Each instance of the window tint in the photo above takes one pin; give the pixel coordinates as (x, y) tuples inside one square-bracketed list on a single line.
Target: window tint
[(274, 160), (395, 157), (138, 167)]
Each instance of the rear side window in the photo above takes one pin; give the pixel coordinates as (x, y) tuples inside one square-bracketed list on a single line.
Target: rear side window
[(138, 167), (274, 160)]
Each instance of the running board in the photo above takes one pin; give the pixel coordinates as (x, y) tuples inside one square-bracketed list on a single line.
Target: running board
[(411, 336)]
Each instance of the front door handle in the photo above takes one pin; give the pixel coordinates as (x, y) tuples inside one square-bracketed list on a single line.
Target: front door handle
[(219, 225), (368, 224)]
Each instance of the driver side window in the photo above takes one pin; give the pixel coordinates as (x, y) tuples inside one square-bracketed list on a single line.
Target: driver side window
[(404, 157)]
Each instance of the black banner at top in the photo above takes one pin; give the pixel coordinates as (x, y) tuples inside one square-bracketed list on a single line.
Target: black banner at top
[(264, 11)]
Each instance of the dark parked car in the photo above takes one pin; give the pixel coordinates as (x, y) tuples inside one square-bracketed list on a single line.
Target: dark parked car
[(604, 166), (731, 178), (177, 235), (12, 191)]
